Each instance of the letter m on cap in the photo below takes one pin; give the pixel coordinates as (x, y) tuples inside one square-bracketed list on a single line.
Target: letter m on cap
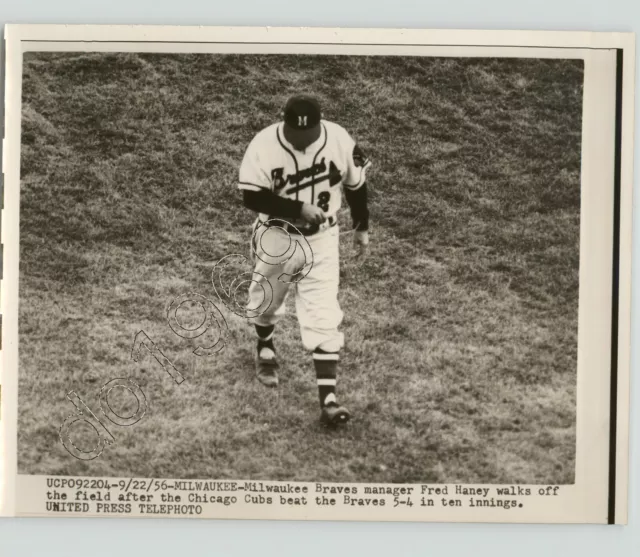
[(302, 121)]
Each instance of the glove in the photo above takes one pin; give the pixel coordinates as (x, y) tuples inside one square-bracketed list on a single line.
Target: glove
[(361, 244)]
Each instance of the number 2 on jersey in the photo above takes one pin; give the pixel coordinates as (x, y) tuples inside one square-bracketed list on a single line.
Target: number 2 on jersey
[(323, 200)]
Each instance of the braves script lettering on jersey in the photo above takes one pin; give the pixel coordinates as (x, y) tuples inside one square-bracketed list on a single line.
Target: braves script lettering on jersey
[(314, 174)]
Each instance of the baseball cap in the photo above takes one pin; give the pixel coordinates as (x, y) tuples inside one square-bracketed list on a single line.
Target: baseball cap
[(302, 112)]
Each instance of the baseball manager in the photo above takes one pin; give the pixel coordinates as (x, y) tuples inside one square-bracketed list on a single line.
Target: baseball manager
[(293, 175)]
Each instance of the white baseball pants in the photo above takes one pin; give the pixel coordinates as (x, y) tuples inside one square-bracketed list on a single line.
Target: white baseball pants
[(278, 257)]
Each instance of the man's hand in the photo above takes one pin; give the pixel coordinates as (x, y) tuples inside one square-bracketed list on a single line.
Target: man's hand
[(361, 244), (312, 214)]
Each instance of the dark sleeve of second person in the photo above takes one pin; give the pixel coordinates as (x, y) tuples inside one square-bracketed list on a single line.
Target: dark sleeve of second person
[(271, 204)]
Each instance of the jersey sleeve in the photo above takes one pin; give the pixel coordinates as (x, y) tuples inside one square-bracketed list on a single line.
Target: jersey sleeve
[(253, 175), (357, 165)]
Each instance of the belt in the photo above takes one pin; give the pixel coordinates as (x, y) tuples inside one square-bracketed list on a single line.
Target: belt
[(305, 231)]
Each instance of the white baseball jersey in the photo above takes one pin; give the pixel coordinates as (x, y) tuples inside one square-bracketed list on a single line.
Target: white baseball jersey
[(316, 176)]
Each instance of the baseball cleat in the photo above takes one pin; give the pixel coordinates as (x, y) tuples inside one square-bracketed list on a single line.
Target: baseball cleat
[(334, 415), (267, 369)]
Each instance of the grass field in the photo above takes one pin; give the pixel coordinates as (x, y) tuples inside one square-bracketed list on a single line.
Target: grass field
[(460, 357)]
